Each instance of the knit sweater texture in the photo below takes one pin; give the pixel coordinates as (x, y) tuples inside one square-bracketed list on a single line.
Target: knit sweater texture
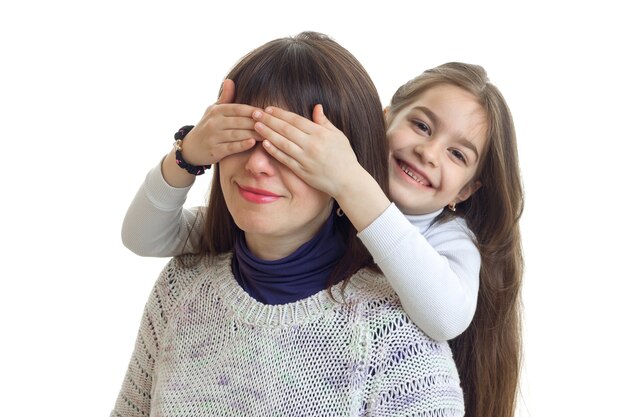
[(206, 348), (434, 268)]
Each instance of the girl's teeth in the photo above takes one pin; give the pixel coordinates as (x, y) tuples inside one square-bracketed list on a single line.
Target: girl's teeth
[(410, 173)]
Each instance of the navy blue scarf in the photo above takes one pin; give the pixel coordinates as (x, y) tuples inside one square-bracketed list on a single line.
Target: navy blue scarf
[(298, 276)]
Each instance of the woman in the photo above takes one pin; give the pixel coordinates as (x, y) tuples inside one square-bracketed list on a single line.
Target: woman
[(282, 312)]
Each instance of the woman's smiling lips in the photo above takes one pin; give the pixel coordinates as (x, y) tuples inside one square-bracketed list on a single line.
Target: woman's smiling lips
[(413, 173), (256, 195)]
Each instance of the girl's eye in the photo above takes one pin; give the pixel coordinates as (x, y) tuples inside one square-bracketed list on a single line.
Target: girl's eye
[(422, 126), (458, 155)]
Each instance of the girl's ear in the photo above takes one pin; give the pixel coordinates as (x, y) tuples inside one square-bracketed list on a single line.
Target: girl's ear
[(467, 191), (386, 116)]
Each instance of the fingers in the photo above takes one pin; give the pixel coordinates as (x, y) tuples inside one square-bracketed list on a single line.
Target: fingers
[(277, 118), (236, 122), (281, 156), (228, 92), (318, 115), (234, 110), (278, 130), (226, 117), (235, 135), (285, 148), (219, 151), (320, 118), (240, 146)]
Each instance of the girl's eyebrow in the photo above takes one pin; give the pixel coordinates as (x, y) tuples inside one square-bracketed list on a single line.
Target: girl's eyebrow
[(469, 145), (432, 116)]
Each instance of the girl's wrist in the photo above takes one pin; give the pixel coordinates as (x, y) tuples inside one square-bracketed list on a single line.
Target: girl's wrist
[(173, 175), (362, 199), (351, 180)]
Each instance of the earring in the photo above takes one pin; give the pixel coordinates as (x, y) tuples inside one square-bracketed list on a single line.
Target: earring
[(452, 206), (339, 212)]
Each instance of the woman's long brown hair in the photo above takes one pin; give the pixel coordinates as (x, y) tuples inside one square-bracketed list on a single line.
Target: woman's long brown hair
[(297, 73), (488, 354)]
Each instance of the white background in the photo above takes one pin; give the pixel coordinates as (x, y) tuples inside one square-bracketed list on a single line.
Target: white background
[(91, 93)]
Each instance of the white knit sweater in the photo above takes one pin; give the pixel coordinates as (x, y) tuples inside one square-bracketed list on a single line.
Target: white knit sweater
[(206, 348)]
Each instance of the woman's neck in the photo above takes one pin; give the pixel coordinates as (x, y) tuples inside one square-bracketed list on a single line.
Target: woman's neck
[(302, 273), (272, 248), (278, 246)]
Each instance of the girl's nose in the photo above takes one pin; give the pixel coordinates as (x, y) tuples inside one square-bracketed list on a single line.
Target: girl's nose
[(429, 152)]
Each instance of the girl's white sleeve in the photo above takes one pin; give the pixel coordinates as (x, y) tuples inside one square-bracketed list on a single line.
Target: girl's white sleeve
[(436, 279), (156, 224)]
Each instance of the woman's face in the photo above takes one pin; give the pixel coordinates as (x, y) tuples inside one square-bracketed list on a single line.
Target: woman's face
[(435, 144), (277, 210)]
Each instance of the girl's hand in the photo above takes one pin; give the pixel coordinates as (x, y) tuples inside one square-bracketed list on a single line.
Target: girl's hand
[(316, 151), (224, 129)]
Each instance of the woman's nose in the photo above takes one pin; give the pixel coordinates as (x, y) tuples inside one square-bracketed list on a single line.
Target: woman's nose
[(259, 162)]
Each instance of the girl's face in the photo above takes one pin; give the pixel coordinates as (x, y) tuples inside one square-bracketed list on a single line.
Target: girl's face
[(277, 210), (435, 145)]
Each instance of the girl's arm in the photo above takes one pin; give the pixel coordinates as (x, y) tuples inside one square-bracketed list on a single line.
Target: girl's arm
[(436, 280), (435, 274), (156, 223)]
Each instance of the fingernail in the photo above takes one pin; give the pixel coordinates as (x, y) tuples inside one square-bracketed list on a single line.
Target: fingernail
[(256, 114), (269, 110)]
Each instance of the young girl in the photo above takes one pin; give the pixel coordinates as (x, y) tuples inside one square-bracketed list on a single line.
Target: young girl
[(454, 179)]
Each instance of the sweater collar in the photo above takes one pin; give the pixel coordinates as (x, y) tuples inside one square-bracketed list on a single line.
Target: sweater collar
[(295, 277)]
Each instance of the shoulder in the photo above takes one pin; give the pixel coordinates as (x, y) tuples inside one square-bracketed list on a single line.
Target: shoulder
[(402, 358), (454, 231), (181, 274), (380, 307), (456, 225), (366, 285)]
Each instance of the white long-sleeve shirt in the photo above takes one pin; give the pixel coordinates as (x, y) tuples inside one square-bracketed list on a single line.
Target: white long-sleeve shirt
[(434, 268)]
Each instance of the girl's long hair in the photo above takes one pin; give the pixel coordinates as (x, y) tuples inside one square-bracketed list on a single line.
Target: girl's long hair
[(488, 354), (296, 73)]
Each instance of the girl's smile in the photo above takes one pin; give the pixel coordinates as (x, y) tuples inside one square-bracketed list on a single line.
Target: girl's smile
[(414, 174)]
